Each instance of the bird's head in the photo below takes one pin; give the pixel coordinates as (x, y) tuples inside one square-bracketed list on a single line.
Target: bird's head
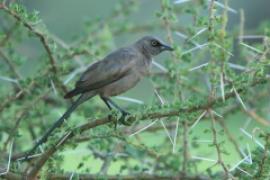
[(152, 45)]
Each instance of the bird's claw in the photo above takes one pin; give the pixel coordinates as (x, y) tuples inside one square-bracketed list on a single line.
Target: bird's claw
[(126, 119)]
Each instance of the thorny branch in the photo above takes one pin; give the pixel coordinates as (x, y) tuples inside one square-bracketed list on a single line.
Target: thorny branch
[(185, 147), (33, 169), (217, 144), (97, 177)]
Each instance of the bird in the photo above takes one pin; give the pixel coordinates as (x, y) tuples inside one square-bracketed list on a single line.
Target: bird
[(118, 72)]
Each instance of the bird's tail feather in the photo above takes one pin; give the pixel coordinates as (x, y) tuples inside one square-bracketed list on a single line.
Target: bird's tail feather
[(72, 93), (58, 123)]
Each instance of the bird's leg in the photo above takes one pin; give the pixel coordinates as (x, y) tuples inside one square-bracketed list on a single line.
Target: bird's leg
[(123, 112), (105, 100), (117, 107)]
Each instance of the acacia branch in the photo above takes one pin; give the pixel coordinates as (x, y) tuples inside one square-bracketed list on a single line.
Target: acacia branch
[(34, 168), (185, 148), (126, 177), (13, 176), (263, 166), (217, 145)]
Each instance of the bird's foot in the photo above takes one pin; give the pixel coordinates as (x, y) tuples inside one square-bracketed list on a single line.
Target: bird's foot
[(113, 118), (126, 118)]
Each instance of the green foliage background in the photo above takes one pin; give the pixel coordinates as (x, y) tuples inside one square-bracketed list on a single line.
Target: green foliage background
[(45, 43)]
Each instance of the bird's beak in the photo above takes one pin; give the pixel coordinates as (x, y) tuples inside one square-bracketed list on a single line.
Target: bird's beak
[(165, 47)]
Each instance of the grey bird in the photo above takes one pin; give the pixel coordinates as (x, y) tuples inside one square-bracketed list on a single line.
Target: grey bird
[(118, 72)]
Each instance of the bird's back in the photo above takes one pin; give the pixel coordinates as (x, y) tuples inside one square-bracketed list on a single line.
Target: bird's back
[(113, 64)]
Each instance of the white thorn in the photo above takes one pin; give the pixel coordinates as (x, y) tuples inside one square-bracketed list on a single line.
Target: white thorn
[(77, 71), (249, 154), (239, 99), (180, 1), (9, 79), (144, 128), (219, 46), (195, 48), (161, 67), (198, 33), (203, 159), (252, 37), (181, 35), (251, 48), (197, 121), (238, 163), (159, 97), (198, 67), (238, 67), (166, 131), (175, 135), (216, 113), (129, 99), (53, 87), (9, 158), (71, 176), (252, 138), (244, 171), (222, 87), (73, 74), (63, 139)]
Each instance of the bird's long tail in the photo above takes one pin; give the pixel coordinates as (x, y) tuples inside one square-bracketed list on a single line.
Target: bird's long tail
[(59, 122)]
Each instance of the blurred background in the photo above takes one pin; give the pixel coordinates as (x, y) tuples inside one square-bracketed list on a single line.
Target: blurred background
[(66, 18)]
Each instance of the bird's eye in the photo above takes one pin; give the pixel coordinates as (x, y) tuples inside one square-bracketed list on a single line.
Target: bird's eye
[(154, 43)]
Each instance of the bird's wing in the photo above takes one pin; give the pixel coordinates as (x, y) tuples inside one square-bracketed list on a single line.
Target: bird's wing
[(110, 69)]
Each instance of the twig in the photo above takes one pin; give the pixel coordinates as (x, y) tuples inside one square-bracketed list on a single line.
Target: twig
[(185, 147), (128, 177), (217, 146), (262, 164), (258, 118), (230, 136)]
